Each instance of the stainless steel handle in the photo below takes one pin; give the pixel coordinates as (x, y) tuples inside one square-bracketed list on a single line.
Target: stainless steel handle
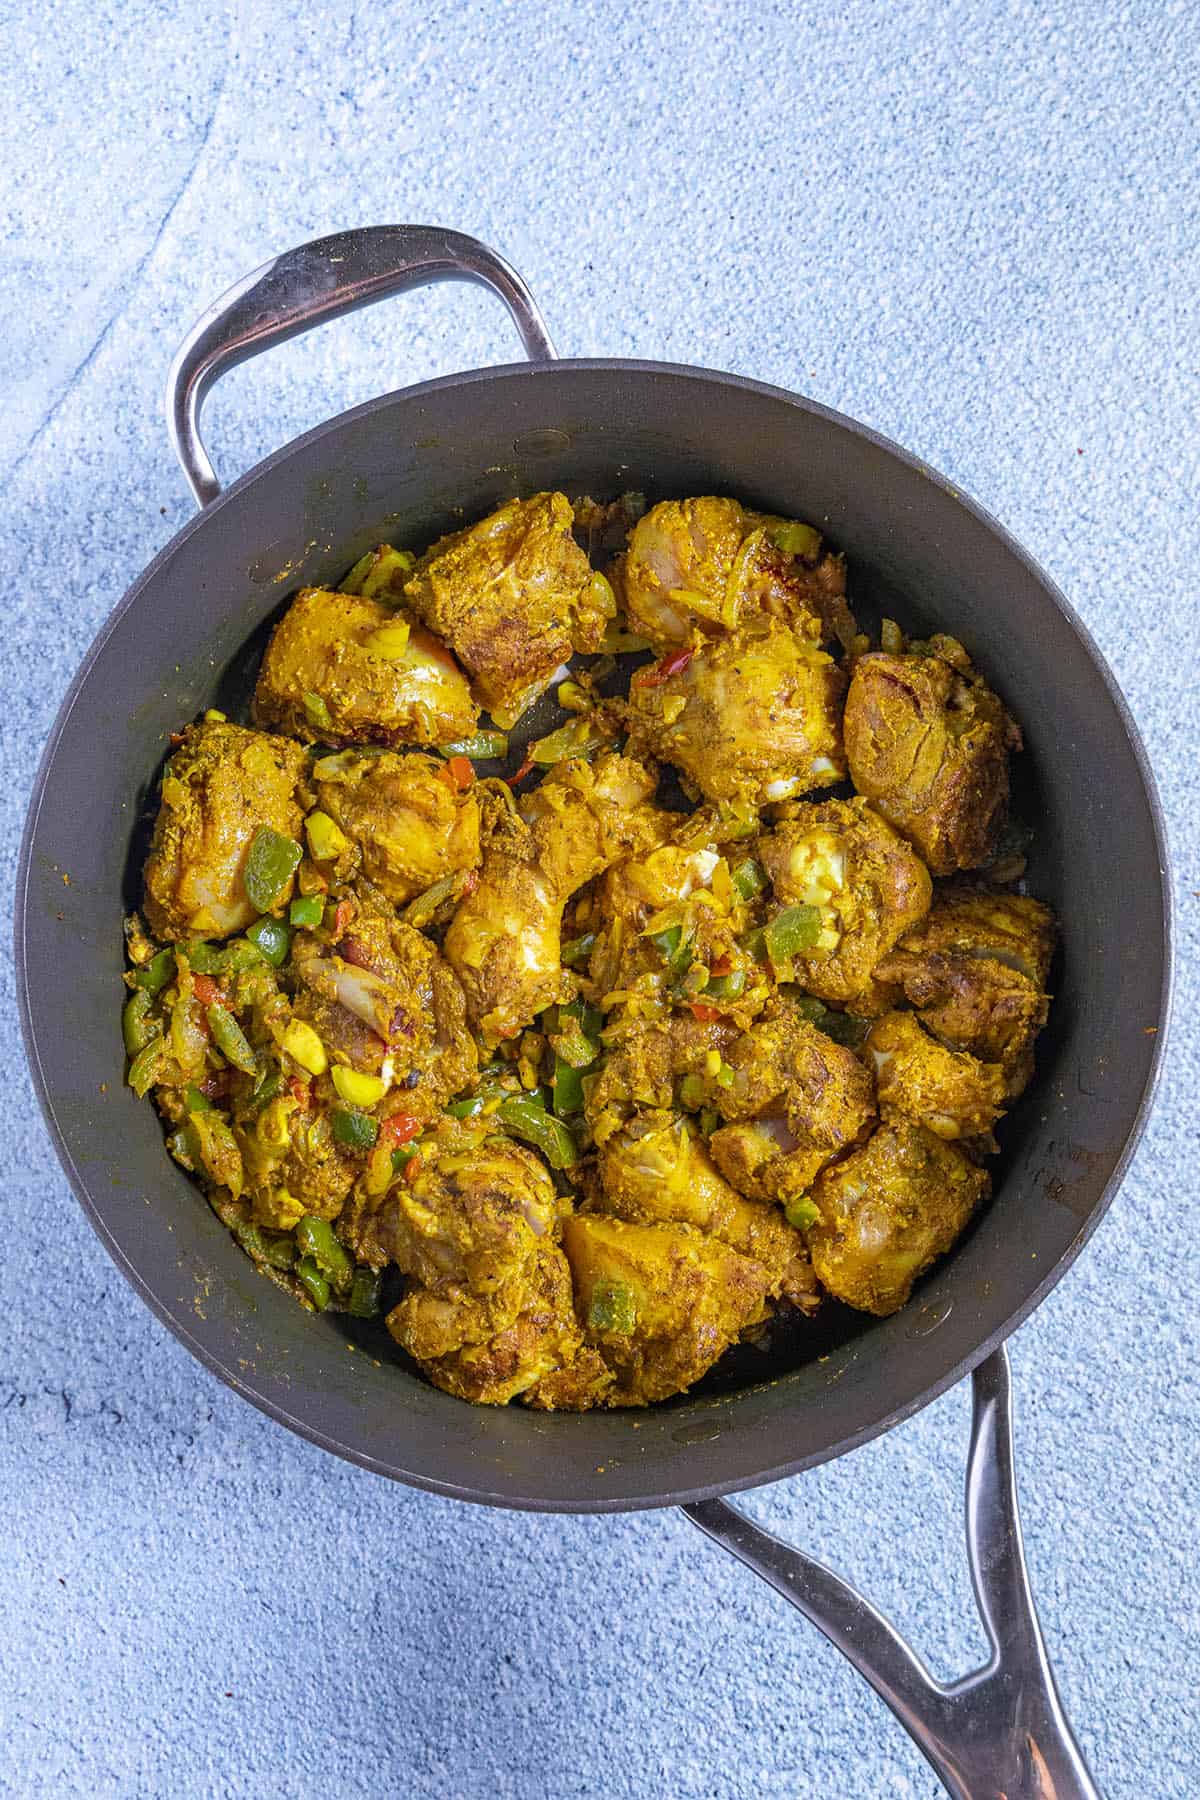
[(320, 281), (999, 1733)]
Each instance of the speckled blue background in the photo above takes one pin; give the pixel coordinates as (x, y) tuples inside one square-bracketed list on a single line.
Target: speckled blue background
[(973, 227)]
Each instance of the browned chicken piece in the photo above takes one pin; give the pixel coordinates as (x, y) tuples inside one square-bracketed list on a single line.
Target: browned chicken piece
[(513, 595), (865, 885), (708, 564), (659, 1302), (791, 1099), (383, 1001), (928, 745), (408, 817), (887, 1212), (657, 1171), (976, 970), (220, 787), (341, 669), (504, 941), (490, 1309), (748, 719), (949, 1092)]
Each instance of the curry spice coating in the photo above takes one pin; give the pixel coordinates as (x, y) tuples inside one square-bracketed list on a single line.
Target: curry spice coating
[(346, 669), (513, 596), (220, 787), (575, 1089), (928, 745)]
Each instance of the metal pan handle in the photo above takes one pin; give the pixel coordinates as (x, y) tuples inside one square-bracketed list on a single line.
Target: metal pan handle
[(999, 1733), (320, 281)]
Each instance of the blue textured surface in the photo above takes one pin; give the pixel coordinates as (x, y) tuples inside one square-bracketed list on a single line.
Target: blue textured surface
[(974, 228)]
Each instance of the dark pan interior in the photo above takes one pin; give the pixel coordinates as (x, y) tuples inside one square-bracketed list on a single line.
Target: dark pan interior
[(408, 467)]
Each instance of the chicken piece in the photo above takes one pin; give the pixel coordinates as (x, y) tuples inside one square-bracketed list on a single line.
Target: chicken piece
[(292, 1163), (791, 1099), (513, 595), (887, 1211), (976, 970), (949, 1092), (666, 918), (660, 1302), (383, 1001), (409, 818), (708, 564), (748, 719), (504, 941), (219, 788), (867, 887), (645, 1070), (339, 670), (657, 1171), (928, 745), (490, 1311)]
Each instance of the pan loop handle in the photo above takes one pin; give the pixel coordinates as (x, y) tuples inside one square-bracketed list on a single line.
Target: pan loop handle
[(1000, 1733), (320, 281)]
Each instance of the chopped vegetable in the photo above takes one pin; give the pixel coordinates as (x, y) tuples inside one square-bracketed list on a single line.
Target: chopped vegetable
[(194, 1100), (579, 737), (314, 1281), (709, 1120), (363, 1298), (421, 910), (230, 1039), (147, 1066), (468, 1108), (795, 539), (802, 1212), (401, 1127), (272, 939), (612, 1307), (796, 928), (154, 976), (577, 950), (137, 1027), (356, 1130), (274, 1247), (206, 958), (707, 1015), (749, 878), (674, 663), (567, 1088), (272, 862), (326, 840), (318, 710), (379, 568), (484, 746), (727, 987), (460, 772), (301, 1042), (389, 642), (691, 1093), (308, 910), (357, 1089), (315, 1238), (402, 1156), (674, 948), (527, 1118)]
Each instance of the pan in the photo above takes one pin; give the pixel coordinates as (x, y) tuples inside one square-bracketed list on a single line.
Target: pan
[(407, 467)]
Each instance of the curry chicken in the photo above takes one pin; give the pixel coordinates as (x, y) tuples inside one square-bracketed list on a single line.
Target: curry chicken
[(581, 1058)]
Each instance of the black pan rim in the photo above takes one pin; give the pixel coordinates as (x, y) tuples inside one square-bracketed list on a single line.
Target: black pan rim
[(748, 1477)]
